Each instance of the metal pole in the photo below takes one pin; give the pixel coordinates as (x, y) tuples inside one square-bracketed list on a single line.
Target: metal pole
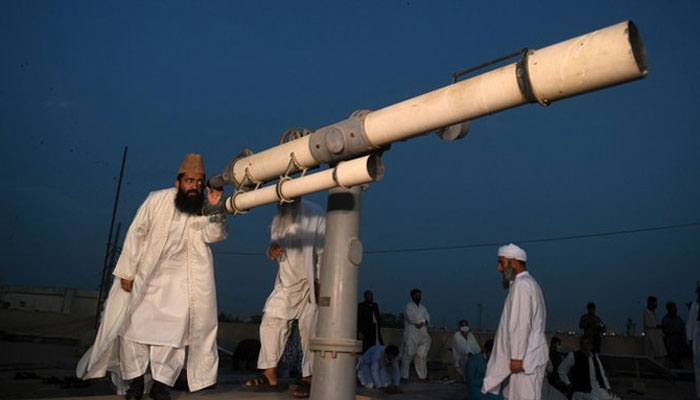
[(113, 253), (109, 238), (335, 343)]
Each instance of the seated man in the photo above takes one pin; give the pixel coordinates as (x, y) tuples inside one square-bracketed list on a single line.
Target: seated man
[(372, 368), (584, 375), (556, 356), (464, 345), (474, 374)]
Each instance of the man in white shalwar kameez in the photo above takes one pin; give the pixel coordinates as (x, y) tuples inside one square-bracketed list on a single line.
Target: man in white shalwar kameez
[(654, 345), (464, 345), (296, 242), (520, 353), (163, 299), (416, 339), (692, 332)]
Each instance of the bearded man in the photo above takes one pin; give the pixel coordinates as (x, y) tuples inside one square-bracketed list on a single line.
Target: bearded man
[(296, 243), (520, 354), (163, 299)]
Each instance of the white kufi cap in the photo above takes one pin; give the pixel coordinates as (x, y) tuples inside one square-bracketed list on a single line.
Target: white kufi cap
[(512, 251)]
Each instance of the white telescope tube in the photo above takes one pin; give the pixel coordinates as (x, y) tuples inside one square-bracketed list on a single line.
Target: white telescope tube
[(359, 171), (606, 57), (267, 164), (596, 60)]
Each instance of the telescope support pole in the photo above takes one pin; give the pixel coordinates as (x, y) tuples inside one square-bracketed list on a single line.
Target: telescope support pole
[(335, 343)]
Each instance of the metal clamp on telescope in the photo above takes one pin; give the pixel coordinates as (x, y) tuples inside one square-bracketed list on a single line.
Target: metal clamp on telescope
[(342, 140)]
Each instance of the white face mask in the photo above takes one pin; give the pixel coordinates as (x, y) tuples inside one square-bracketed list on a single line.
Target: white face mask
[(464, 329)]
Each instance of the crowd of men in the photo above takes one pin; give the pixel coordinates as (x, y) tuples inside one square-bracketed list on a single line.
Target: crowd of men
[(160, 316)]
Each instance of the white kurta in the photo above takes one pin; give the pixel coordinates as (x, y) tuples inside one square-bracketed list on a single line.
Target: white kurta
[(293, 295), (302, 244), (143, 247), (461, 349), (162, 317), (692, 332), (653, 336), (597, 392), (520, 336), (416, 341), (372, 369)]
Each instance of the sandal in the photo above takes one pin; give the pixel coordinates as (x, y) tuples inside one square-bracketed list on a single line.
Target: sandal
[(302, 391), (262, 384)]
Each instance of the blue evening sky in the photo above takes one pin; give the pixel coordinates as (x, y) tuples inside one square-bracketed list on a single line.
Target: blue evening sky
[(79, 80)]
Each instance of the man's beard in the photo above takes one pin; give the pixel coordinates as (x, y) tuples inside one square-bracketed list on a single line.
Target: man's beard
[(189, 204), (286, 215), (508, 276)]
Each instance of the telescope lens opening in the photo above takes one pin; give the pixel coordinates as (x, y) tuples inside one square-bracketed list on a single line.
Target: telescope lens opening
[(638, 50), (375, 167)]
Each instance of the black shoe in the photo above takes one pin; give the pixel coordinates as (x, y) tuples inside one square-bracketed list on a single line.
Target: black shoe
[(135, 391), (159, 391)]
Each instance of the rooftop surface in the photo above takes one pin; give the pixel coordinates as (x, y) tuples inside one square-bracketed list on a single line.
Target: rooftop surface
[(35, 365), (229, 387)]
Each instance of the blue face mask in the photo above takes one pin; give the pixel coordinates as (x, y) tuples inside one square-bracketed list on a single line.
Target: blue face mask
[(558, 348)]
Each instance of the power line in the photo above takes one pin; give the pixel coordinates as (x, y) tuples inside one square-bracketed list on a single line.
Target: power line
[(492, 244)]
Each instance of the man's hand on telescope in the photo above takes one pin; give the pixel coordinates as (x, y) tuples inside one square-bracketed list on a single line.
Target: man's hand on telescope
[(126, 284), (214, 196), (274, 251)]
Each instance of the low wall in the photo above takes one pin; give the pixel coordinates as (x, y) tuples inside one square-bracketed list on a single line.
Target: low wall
[(230, 333), (82, 327), (56, 300)]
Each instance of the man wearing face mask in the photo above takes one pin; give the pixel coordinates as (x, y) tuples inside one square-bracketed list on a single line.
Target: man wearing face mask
[(464, 345), (416, 339), (163, 299), (520, 354), (556, 355)]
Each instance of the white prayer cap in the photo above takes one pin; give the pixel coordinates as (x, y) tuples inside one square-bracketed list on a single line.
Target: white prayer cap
[(512, 251)]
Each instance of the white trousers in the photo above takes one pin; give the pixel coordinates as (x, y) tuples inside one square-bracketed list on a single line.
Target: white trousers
[(166, 362), (418, 353), (274, 333), (525, 386)]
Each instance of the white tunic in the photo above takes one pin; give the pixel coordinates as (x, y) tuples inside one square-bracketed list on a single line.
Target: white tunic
[(520, 334), (462, 347), (162, 317), (143, 247), (653, 337), (413, 336), (302, 244)]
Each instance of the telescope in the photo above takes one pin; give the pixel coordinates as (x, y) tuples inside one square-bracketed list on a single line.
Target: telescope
[(600, 59), (352, 147)]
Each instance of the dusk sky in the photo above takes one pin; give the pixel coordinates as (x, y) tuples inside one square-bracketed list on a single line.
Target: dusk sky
[(79, 80)]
